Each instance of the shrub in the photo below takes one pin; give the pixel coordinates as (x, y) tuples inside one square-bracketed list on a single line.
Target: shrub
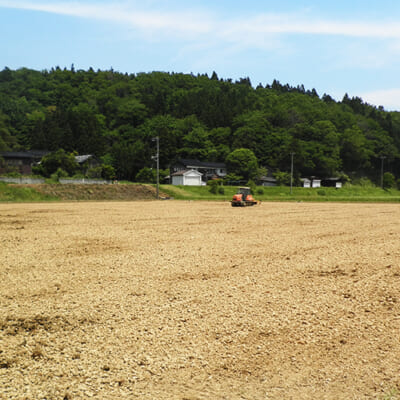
[(60, 173), (13, 174), (146, 175), (252, 185), (213, 184), (260, 191), (221, 190), (344, 178), (95, 172), (365, 182), (108, 172), (321, 192), (389, 180)]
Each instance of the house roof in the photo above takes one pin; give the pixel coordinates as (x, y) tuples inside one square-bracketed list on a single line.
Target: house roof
[(267, 179), (186, 171), (24, 154), (314, 178), (334, 179), (189, 163), (83, 158)]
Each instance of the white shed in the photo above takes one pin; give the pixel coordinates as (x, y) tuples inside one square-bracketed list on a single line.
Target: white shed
[(187, 177), (316, 183)]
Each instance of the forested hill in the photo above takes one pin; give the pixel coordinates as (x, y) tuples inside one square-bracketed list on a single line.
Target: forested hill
[(115, 116)]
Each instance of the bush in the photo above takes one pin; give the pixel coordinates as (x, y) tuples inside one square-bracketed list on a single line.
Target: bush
[(13, 174), (221, 190), (107, 172), (60, 173), (321, 192), (146, 175), (365, 182), (260, 191), (344, 178), (252, 185), (389, 180), (213, 184), (95, 172)]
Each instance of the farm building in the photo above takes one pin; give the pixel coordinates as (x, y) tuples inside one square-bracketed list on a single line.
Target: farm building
[(23, 161), (208, 170), (314, 182), (267, 181), (187, 178), (87, 162), (20, 161), (331, 182)]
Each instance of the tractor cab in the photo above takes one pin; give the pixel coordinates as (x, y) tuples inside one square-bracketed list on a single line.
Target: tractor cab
[(243, 198), (245, 191)]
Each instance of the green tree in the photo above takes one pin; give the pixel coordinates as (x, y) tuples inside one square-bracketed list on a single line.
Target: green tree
[(108, 172), (55, 161), (243, 163), (253, 130), (130, 111), (355, 150), (197, 145), (282, 178), (7, 140), (129, 158), (115, 115), (170, 134), (87, 129), (146, 175)]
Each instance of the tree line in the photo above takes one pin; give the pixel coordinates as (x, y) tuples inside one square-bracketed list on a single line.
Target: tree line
[(115, 116)]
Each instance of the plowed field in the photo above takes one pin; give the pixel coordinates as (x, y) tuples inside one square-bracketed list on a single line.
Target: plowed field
[(195, 300)]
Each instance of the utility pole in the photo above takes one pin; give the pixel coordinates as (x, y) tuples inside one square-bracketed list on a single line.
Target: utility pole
[(291, 171), (157, 158), (382, 158)]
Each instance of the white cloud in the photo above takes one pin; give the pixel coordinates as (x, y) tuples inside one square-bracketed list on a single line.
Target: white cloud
[(389, 98), (252, 30), (292, 24), (144, 20)]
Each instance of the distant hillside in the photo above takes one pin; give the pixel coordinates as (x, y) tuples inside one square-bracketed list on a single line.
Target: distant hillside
[(115, 116)]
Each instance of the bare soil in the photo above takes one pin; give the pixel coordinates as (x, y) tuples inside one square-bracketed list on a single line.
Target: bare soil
[(196, 300), (119, 192)]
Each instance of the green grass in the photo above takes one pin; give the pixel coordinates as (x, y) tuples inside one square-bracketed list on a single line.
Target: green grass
[(348, 193), (10, 193)]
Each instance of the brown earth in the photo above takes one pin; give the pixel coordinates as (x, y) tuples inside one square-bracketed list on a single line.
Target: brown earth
[(195, 300), (96, 192)]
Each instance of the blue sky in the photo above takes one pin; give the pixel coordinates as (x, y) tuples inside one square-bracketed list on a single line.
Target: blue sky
[(334, 47)]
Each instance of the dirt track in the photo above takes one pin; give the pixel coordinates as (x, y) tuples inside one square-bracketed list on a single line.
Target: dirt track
[(192, 300)]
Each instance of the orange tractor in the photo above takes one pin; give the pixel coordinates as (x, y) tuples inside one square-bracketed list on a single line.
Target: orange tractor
[(243, 198)]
